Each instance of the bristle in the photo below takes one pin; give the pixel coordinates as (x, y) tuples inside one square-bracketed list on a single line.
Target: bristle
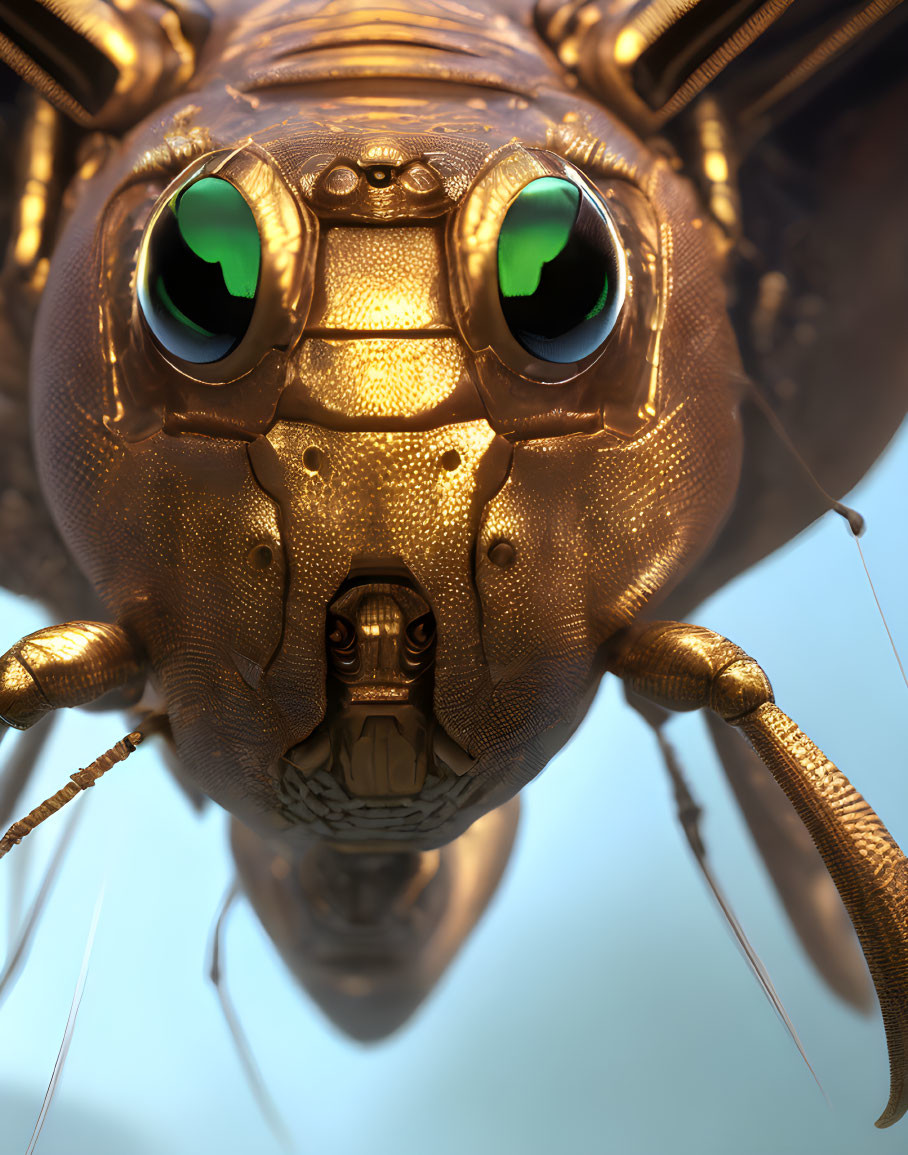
[(689, 814), (881, 613), (70, 1027)]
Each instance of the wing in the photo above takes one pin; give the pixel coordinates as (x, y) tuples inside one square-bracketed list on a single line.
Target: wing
[(97, 67), (820, 300), (33, 559)]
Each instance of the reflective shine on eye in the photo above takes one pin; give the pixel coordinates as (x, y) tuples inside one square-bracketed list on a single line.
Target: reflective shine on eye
[(201, 271), (558, 271)]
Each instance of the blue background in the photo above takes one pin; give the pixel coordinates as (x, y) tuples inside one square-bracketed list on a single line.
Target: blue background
[(601, 1006)]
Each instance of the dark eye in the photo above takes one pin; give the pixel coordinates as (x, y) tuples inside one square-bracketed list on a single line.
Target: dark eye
[(200, 273), (559, 273)]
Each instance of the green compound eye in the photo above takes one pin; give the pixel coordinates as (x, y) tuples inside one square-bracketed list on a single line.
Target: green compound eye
[(559, 275), (200, 273)]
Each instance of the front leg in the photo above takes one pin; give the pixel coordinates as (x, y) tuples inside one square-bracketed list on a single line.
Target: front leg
[(68, 665), (684, 667)]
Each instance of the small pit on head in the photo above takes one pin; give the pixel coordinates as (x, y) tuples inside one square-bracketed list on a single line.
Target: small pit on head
[(260, 556), (502, 554)]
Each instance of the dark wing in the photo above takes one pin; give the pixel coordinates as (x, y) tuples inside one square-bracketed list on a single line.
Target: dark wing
[(33, 559), (820, 304), (98, 67)]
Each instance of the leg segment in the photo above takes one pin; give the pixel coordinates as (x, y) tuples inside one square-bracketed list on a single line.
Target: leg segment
[(649, 60), (68, 665), (684, 667), (796, 869)]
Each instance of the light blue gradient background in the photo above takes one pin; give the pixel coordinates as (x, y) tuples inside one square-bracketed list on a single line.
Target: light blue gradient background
[(601, 1007)]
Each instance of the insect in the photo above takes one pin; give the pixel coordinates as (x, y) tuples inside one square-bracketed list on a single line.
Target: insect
[(384, 387)]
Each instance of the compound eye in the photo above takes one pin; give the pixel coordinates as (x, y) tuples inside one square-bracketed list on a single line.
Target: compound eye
[(560, 279), (198, 281)]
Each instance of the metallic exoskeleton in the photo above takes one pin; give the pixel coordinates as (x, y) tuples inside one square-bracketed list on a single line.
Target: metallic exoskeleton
[(374, 558)]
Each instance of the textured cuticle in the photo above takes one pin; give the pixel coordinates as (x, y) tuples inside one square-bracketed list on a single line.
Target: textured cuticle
[(739, 689)]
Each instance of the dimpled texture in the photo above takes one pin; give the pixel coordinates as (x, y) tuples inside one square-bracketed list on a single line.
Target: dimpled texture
[(216, 522), (867, 866), (380, 376), (385, 495), (209, 619), (163, 529), (382, 279), (609, 522)]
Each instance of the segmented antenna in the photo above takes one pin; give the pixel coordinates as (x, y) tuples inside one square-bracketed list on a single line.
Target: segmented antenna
[(81, 780)]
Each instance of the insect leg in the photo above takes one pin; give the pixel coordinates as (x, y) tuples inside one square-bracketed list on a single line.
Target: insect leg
[(803, 883), (250, 1067), (69, 1029), (684, 667), (18, 951), (649, 60), (67, 665), (102, 65)]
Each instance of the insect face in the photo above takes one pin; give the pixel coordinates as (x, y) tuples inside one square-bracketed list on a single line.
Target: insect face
[(387, 433)]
